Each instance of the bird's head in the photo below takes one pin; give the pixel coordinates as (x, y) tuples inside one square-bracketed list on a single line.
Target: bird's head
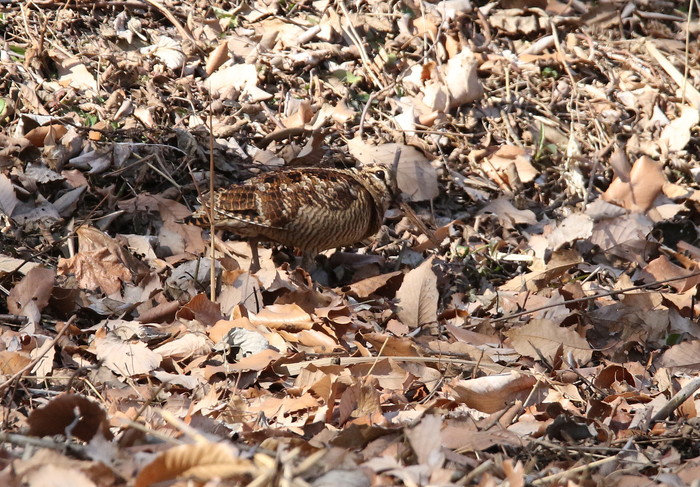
[(380, 181)]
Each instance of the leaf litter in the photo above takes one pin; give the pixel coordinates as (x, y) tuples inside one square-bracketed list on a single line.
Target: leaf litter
[(528, 315)]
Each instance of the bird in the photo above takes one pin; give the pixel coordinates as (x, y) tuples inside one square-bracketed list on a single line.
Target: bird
[(311, 209)]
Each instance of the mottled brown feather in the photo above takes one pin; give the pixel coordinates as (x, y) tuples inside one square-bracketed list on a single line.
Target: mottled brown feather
[(312, 209)]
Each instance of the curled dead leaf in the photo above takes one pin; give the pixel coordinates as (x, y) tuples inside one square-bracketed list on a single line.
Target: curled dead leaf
[(290, 317), (205, 461)]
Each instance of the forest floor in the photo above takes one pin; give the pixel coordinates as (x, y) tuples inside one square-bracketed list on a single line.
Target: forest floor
[(527, 315)]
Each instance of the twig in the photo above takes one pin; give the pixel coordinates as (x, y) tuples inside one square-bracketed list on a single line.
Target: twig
[(676, 401), (212, 210), (580, 468), (62, 446), (14, 319)]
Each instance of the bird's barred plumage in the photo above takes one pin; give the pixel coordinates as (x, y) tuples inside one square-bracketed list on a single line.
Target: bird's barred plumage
[(311, 209)]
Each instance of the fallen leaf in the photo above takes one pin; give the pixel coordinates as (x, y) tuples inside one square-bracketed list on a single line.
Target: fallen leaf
[(125, 358), (417, 298), (31, 295), (493, 393), (546, 337), (201, 462), (647, 179)]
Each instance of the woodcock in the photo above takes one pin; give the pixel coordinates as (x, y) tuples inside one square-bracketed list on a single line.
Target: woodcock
[(311, 209)]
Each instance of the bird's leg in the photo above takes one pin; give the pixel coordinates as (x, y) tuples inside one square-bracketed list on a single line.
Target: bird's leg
[(255, 262)]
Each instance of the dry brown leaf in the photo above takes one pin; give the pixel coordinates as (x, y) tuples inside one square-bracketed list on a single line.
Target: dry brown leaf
[(425, 443), (217, 57), (496, 165), (31, 295), (202, 462), (684, 357), (101, 262), (200, 308), (493, 393), (38, 136), (185, 346), (8, 198), (222, 327), (391, 346), (507, 214), (662, 268), (366, 287), (612, 374), (647, 179), (289, 317), (301, 117), (318, 341), (459, 435), (360, 400), (417, 298), (255, 362), (625, 236), (546, 337), (69, 415), (576, 226), (12, 362)]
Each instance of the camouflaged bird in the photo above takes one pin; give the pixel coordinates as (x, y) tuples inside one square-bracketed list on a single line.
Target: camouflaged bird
[(311, 209)]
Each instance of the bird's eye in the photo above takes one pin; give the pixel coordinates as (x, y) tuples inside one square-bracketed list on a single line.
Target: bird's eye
[(380, 174)]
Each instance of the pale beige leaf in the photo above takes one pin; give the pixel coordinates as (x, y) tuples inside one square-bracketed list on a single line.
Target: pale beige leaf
[(576, 226), (461, 79), (496, 166), (545, 336), (185, 346), (676, 135), (125, 358), (75, 74), (56, 476), (10, 264), (8, 198), (684, 357), (507, 214), (417, 298), (168, 51), (425, 443)]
